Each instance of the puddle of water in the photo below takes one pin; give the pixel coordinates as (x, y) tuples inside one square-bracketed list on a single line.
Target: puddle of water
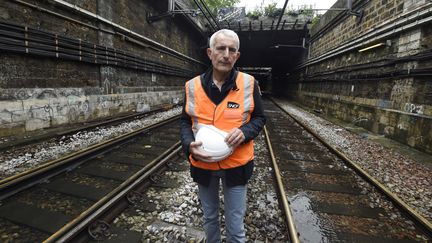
[(308, 223)]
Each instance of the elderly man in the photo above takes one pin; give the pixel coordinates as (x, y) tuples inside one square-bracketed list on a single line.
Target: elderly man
[(230, 101)]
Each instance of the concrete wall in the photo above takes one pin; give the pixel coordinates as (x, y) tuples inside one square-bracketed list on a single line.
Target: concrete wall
[(40, 92), (386, 89)]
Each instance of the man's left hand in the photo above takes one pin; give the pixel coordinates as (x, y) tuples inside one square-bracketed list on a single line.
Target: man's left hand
[(235, 137)]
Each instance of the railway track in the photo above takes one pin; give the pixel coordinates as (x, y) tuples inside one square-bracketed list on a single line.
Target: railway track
[(73, 198), (330, 201), (79, 198), (56, 133)]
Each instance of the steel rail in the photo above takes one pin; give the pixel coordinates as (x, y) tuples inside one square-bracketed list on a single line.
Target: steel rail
[(293, 234), (114, 120), (426, 226), (26, 179), (70, 230)]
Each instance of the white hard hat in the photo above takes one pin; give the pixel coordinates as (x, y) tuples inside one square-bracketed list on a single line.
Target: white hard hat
[(213, 142)]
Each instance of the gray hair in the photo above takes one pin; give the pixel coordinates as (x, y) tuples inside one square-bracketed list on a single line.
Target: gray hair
[(225, 32)]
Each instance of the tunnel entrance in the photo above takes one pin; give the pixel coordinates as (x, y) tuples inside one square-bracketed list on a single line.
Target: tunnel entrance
[(268, 53)]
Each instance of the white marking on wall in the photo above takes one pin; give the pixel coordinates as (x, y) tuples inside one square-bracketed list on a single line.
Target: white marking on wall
[(413, 108)]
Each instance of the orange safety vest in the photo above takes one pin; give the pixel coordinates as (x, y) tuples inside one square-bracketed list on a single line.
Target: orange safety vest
[(234, 111)]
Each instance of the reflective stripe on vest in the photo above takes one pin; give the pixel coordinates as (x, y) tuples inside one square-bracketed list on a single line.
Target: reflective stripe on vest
[(234, 111), (190, 93), (247, 97)]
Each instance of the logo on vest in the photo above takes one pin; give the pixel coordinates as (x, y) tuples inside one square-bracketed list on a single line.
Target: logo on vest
[(232, 105)]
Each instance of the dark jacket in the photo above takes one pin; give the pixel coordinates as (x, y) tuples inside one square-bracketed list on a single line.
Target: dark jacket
[(235, 176)]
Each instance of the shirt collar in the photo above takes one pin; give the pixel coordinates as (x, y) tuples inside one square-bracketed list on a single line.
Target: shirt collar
[(208, 78)]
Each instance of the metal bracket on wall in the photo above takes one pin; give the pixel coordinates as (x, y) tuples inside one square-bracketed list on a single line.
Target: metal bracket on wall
[(358, 14), (349, 10), (172, 12)]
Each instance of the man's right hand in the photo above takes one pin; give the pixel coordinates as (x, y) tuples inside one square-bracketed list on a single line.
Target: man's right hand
[(197, 153)]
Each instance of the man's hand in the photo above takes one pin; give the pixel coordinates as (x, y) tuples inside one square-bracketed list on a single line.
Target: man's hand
[(197, 153), (235, 137)]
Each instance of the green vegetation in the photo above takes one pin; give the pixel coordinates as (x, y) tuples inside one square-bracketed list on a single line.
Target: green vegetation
[(214, 5), (272, 11), (255, 14), (315, 20)]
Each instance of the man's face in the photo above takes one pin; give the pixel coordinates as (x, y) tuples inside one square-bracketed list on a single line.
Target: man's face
[(224, 55)]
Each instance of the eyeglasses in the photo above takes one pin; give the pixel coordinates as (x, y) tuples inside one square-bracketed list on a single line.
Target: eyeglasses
[(222, 49)]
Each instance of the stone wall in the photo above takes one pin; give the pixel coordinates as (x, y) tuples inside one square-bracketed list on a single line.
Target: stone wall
[(33, 109), (386, 89), (38, 91)]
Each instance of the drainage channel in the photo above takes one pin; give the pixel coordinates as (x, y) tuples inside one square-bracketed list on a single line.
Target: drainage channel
[(78, 196), (330, 202)]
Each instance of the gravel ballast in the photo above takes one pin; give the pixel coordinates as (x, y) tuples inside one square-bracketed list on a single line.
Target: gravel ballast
[(178, 215), (27, 157)]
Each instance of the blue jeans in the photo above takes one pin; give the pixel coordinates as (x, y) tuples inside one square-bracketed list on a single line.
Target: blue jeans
[(235, 208)]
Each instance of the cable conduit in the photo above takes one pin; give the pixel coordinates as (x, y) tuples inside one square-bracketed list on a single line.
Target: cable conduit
[(403, 23), (14, 38), (385, 62), (119, 27), (394, 74)]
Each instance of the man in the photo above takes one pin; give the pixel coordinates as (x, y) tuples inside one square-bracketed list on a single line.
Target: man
[(229, 100)]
